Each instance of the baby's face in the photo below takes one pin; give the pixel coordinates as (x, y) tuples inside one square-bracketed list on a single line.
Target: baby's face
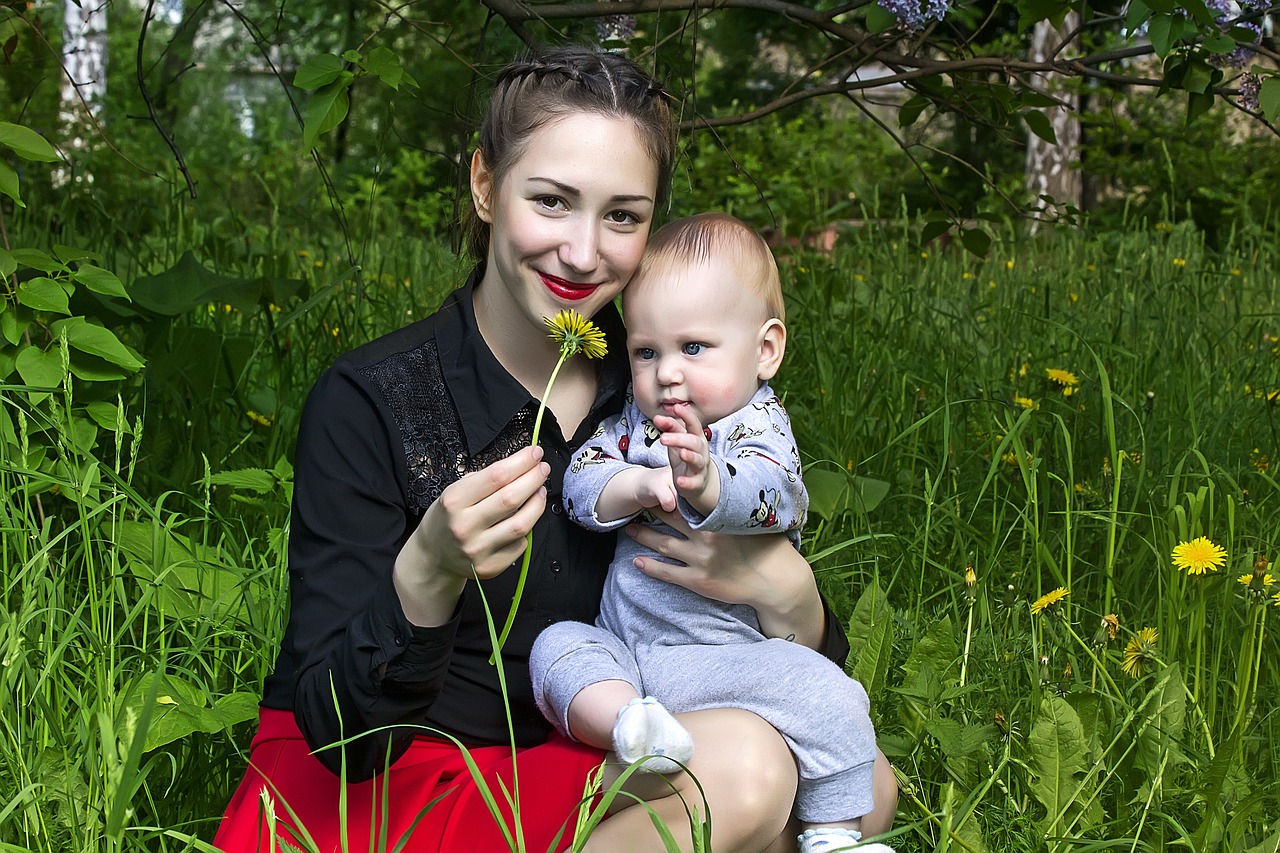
[(694, 338)]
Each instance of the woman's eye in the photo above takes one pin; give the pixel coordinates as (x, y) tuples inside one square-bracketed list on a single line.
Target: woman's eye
[(692, 348), (622, 217), (550, 201)]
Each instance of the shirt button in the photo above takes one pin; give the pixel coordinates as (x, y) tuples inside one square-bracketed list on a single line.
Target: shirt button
[(557, 508), (555, 566), (399, 640)]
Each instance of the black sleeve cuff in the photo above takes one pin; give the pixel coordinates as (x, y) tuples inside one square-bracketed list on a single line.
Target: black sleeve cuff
[(416, 659), (837, 646)]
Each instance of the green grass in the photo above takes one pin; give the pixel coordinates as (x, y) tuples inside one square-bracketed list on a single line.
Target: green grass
[(906, 378)]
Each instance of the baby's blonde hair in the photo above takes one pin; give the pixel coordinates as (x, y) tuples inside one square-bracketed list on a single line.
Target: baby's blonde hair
[(697, 238)]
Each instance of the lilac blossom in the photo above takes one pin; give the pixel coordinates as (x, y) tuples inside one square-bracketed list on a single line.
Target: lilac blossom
[(914, 15), (1250, 84)]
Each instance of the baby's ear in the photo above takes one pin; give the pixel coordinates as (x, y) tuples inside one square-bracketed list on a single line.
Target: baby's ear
[(773, 343)]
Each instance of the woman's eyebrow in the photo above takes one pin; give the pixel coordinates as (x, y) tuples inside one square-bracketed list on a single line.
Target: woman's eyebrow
[(574, 192)]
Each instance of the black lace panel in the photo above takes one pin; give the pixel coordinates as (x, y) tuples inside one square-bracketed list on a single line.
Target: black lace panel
[(413, 387)]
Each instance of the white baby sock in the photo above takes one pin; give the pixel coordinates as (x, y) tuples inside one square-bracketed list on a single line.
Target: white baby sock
[(644, 727)]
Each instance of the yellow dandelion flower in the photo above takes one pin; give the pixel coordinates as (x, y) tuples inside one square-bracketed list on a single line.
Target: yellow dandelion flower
[(1049, 599), (1235, 271), (260, 420), (1091, 267), (970, 577), (1164, 227), (1065, 378), (1073, 297), (1266, 579), (1111, 623), (1008, 265), (966, 275), (924, 254), (575, 333), (1024, 402), (1198, 556), (1276, 599), (1140, 653), (1179, 262)]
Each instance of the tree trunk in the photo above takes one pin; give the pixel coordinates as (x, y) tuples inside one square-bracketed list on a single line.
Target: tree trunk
[(1053, 169)]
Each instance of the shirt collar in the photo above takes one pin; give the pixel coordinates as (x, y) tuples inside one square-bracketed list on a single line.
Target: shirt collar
[(485, 395)]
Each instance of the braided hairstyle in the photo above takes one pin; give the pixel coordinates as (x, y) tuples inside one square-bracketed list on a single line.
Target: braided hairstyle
[(539, 88)]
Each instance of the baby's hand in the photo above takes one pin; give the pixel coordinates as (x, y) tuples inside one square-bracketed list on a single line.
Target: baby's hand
[(695, 477), (654, 488)]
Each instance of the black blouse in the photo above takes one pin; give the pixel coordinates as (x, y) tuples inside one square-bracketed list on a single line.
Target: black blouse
[(384, 431)]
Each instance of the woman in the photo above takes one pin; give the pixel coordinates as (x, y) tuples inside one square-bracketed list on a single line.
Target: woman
[(414, 479)]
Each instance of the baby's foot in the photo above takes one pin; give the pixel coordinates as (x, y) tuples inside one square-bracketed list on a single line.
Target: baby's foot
[(828, 839), (644, 727)]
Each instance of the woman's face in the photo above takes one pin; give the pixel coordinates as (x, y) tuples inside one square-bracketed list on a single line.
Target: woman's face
[(569, 220)]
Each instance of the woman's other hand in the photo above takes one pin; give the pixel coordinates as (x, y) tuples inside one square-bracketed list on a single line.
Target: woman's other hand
[(477, 527), (762, 571)]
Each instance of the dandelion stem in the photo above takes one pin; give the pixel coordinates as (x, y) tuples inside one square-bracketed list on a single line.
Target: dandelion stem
[(528, 545)]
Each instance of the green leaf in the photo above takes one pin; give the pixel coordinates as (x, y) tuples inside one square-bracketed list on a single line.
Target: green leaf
[(107, 416), (937, 650), (1269, 98), (99, 280), (933, 230), (318, 71), (1162, 721), (910, 111), (385, 65), (12, 327), (1198, 105), (871, 668), (179, 709), (8, 266), (1220, 43), (26, 143), (1038, 123), (71, 254), (95, 340), (880, 19), (37, 260), (1139, 13), (189, 580), (189, 285), (9, 183), (326, 110), (43, 294), (257, 480), (40, 369), (1160, 32), (1057, 749), (976, 241)]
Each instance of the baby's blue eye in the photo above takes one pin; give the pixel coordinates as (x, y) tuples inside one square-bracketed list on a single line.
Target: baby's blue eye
[(692, 348), (644, 353)]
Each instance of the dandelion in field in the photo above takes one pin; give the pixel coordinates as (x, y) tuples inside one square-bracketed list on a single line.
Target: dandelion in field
[(1235, 271), (1091, 267), (1199, 556), (924, 254), (1108, 627), (970, 577), (1140, 653), (1180, 262), (1164, 228), (1008, 265), (1064, 378), (1049, 599), (1258, 581), (1073, 297), (1275, 599), (260, 420), (1025, 402), (966, 275)]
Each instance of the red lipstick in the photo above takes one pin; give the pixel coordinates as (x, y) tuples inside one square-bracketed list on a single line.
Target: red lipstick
[(566, 289)]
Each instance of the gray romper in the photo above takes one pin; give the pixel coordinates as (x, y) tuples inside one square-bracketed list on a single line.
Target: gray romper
[(692, 653)]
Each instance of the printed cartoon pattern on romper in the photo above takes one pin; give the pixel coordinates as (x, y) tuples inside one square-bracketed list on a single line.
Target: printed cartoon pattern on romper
[(766, 513)]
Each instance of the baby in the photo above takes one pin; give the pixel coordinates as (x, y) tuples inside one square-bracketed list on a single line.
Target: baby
[(703, 434)]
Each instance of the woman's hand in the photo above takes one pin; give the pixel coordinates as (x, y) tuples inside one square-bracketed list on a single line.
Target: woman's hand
[(762, 571), (476, 527)]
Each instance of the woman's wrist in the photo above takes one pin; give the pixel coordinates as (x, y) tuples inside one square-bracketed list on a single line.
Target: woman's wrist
[(793, 608), (428, 596)]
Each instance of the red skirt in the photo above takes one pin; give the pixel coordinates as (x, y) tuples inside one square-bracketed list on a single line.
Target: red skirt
[(428, 795)]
